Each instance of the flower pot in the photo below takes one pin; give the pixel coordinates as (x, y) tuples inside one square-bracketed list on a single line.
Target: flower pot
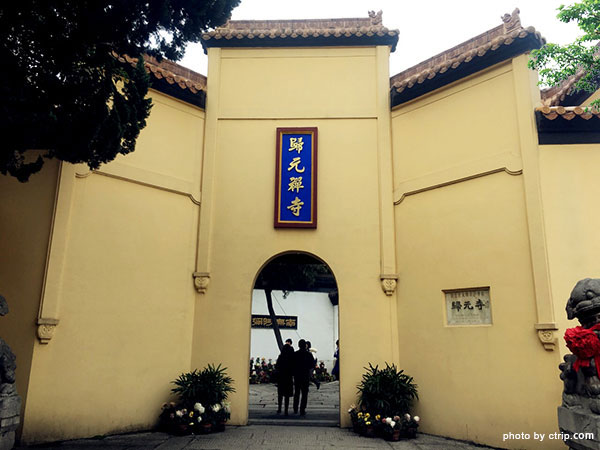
[(181, 429), (409, 433), (220, 426), (395, 435), (206, 428), (370, 432)]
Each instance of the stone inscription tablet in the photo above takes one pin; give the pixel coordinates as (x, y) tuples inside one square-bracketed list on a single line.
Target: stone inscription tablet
[(468, 306)]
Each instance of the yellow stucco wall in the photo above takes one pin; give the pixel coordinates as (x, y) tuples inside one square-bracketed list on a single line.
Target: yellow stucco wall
[(239, 182), (462, 221), (26, 210), (570, 187), (126, 295), (443, 191)]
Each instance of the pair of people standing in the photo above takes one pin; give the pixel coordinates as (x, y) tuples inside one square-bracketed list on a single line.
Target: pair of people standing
[(293, 375)]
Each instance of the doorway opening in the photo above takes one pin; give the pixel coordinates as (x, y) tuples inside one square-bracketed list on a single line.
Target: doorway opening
[(294, 297)]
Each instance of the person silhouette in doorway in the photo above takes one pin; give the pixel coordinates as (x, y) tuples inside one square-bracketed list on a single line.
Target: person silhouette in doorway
[(303, 365), (313, 352), (336, 367), (284, 368)]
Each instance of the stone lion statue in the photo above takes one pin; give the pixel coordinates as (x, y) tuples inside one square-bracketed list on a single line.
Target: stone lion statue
[(8, 363), (580, 371)]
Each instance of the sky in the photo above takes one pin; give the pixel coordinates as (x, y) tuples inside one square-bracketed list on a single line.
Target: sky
[(427, 27)]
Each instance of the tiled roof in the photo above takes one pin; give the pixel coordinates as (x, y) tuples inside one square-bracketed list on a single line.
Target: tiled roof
[(508, 34), (568, 112), (172, 73), (301, 32), (555, 95)]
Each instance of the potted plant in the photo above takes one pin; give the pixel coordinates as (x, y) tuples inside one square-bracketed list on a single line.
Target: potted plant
[(385, 397), (390, 428), (354, 418), (208, 387), (202, 405), (408, 426), (220, 414), (386, 391)]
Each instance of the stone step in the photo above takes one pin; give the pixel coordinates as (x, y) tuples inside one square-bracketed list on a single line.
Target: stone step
[(295, 421), (273, 406)]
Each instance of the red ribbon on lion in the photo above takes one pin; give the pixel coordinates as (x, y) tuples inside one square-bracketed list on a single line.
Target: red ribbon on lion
[(584, 344)]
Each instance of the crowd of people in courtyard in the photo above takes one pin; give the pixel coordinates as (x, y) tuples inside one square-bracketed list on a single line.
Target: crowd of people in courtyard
[(294, 370)]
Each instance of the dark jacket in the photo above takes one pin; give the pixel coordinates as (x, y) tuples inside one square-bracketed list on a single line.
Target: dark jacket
[(284, 369), (304, 363)]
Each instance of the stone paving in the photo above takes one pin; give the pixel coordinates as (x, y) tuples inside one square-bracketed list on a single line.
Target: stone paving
[(269, 431), (322, 409), (260, 437)]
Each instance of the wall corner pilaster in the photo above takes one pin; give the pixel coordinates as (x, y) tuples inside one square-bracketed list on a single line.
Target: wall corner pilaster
[(527, 97), (48, 315)]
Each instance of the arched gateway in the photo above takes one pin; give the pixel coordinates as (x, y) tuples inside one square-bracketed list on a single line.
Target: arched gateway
[(294, 297), (437, 197)]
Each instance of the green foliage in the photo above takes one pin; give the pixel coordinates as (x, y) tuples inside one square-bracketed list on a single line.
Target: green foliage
[(386, 391), (209, 387), (556, 63), (62, 90)]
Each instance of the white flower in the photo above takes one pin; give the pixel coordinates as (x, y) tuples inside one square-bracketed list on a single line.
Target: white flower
[(392, 424), (388, 420), (179, 413), (199, 419), (407, 416), (226, 406), (416, 419), (191, 424), (216, 408), (198, 407), (352, 406), (350, 410)]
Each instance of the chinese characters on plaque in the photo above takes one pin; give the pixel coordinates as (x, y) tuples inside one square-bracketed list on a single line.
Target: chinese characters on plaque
[(284, 322), (296, 178), (468, 306)]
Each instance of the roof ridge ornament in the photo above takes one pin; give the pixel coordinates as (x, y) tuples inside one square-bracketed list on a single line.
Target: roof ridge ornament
[(512, 21), (376, 17)]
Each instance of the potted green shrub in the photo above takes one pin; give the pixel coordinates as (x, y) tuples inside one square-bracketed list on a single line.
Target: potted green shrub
[(387, 391), (385, 397), (208, 387), (202, 406)]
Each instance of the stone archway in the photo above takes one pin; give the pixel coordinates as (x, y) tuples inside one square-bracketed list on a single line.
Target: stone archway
[(295, 296)]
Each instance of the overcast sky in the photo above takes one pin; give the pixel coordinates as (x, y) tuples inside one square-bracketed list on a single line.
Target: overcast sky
[(427, 27)]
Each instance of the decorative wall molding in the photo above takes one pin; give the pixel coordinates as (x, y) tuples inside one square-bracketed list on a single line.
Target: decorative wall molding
[(146, 178), (546, 335), (45, 329), (506, 162), (389, 283), (201, 281)]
